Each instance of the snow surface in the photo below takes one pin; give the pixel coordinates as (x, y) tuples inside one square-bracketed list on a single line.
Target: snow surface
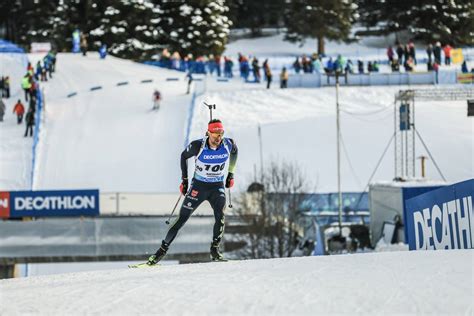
[(401, 283)]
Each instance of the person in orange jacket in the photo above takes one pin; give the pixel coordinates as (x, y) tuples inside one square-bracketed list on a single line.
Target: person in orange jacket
[(447, 54), (19, 109)]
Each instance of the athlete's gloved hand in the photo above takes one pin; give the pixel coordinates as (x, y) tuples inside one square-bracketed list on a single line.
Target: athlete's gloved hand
[(229, 182), (183, 188)]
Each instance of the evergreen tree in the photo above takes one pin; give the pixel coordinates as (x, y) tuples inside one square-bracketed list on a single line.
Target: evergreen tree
[(447, 21), (31, 22), (320, 19), (256, 15), (199, 27), (129, 28)]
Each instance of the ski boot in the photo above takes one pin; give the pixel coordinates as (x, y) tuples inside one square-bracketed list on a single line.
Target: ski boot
[(216, 255), (160, 253)]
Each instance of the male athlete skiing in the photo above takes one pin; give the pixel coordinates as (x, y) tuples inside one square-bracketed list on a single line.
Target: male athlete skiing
[(211, 155)]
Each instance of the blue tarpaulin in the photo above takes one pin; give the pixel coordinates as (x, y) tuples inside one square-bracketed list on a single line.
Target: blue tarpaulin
[(9, 47)]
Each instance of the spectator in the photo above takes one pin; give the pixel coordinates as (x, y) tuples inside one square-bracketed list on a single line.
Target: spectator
[(317, 65), (284, 78), (265, 65), (400, 53), (464, 67), (329, 66), (217, 63), (360, 66), (26, 85), (228, 65), (390, 54), (211, 65), (189, 77), (429, 52), (44, 75), (406, 53), (412, 51), (339, 64), (370, 67), (375, 66), (156, 100), (349, 67), (52, 57), (84, 44), (297, 65), (268, 75), (19, 110), (48, 67), (32, 104), (245, 68), (2, 109), (6, 87), (305, 63), (103, 51), (437, 53), (39, 71), (256, 69), (447, 54), (30, 70), (30, 122)]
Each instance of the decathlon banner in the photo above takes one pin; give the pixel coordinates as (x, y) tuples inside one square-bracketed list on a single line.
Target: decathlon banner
[(442, 218), (49, 203)]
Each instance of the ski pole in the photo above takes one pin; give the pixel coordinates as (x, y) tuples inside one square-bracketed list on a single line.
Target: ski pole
[(174, 208), (230, 200)]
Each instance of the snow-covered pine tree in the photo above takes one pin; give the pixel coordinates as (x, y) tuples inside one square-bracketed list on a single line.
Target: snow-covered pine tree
[(31, 21), (129, 28), (320, 19), (431, 20), (196, 27)]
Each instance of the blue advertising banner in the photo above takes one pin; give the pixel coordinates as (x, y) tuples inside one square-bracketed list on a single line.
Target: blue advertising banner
[(18, 204), (442, 219)]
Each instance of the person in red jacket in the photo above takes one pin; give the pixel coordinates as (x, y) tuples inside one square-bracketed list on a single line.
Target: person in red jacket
[(447, 54), (19, 109)]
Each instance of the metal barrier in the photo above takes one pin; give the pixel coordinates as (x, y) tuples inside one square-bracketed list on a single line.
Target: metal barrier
[(373, 79)]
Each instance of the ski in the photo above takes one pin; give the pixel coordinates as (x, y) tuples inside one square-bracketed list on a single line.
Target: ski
[(142, 265)]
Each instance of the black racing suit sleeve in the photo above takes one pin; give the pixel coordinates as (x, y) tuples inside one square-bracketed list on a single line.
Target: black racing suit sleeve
[(190, 151)]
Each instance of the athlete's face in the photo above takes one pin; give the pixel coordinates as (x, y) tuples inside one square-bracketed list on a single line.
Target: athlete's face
[(215, 139)]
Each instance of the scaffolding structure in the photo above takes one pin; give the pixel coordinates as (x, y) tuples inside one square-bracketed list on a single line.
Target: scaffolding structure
[(404, 124)]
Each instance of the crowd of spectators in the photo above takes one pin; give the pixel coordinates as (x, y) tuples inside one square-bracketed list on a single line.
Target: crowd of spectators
[(29, 84), (200, 65), (401, 57)]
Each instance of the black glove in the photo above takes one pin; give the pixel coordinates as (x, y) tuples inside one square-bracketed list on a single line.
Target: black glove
[(229, 182), (183, 188)]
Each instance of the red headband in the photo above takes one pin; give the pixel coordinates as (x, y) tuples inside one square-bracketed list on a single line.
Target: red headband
[(215, 127)]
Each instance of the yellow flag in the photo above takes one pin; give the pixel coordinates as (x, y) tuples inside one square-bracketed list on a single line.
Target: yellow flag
[(456, 56)]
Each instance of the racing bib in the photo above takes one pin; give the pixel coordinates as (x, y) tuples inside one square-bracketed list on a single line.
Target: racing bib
[(210, 164)]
